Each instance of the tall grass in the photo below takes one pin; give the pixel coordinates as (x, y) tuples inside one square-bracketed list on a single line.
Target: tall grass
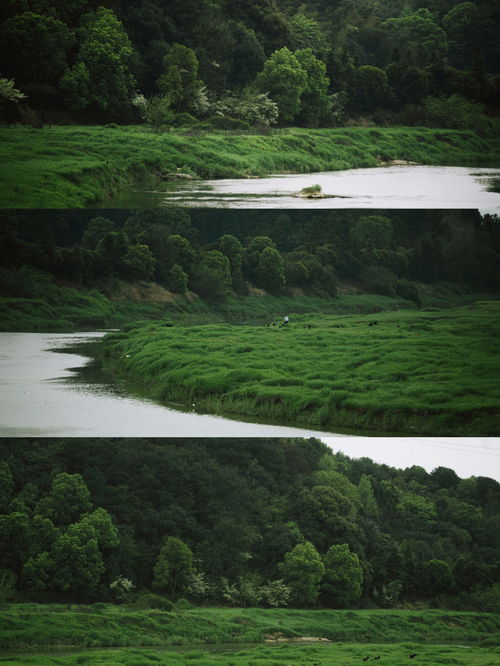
[(425, 372), (41, 626), (272, 655), (72, 167)]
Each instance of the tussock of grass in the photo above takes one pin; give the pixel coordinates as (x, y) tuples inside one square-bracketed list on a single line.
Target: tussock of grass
[(73, 167), (420, 372)]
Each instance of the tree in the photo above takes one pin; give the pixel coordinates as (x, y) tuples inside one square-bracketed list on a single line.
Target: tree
[(9, 94), (271, 270), (435, 577), (35, 50), (343, 577), (419, 35), (302, 570), (373, 231), (231, 247), (306, 33), (6, 486), (211, 276), (103, 64), (174, 567), (139, 263), (78, 563), (315, 103), (370, 89), (180, 81), (177, 280), (285, 80), (95, 230), (68, 499)]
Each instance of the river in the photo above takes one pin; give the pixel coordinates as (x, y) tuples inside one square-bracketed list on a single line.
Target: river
[(383, 187), (43, 393)]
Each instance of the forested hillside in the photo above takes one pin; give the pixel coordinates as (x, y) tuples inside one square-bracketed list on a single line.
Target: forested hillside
[(245, 522), (213, 254), (236, 64)]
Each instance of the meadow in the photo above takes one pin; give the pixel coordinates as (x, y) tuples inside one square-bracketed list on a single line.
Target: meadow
[(430, 371), (39, 626), (77, 166), (337, 654)]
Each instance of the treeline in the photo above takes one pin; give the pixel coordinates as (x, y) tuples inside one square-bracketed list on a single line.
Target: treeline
[(275, 522), (248, 63), (385, 252)]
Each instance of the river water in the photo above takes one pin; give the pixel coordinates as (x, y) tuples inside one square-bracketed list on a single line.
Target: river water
[(43, 393), (382, 187)]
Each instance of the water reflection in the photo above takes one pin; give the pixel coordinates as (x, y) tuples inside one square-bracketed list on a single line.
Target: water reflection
[(384, 187), (43, 394)]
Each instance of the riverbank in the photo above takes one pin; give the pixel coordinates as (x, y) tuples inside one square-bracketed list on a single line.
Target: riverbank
[(78, 166), (58, 308), (70, 625), (421, 372)]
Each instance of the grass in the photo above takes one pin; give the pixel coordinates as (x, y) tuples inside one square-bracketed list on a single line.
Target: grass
[(39, 626), (420, 372), (338, 654), (77, 166)]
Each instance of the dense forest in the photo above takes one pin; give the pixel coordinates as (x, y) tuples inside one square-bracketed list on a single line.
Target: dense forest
[(212, 254), (238, 64), (244, 522)]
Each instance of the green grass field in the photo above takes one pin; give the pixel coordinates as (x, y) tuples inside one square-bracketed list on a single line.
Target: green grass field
[(337, 654), (422, 372), (42, 626), (76, 166)]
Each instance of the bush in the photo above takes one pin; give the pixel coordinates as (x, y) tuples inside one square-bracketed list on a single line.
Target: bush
[(182, 605), (226, 123), (148, 600), (408, 290)]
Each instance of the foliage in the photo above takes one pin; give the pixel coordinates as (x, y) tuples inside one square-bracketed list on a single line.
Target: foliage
[(284, 79), (343, 577), (174, 567), (302, 569)]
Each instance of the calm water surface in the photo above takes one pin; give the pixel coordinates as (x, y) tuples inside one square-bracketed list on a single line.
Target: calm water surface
[(382, 187), (43, 394)]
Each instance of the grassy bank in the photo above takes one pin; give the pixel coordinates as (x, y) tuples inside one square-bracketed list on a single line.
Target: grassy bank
[(317, 654), (423, 372), (72, 167), (42, 625)]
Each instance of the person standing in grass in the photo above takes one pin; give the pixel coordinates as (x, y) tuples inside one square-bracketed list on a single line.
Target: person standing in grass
[(285, 320)]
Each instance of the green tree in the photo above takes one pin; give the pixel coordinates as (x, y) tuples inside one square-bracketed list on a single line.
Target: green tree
[(419, 35), (174, 567), (343, 577), (6, 486), (138, 263), (78, 562), (435, 577), (211, 276), (104, 51), (68, 499), (95, 230), (373, 231), (231, 247), (271, 270), (315, 104), (35, 50), (306, 33), (369, 90), (180, 81), (285, 80), (302, 570), (177, 280)]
